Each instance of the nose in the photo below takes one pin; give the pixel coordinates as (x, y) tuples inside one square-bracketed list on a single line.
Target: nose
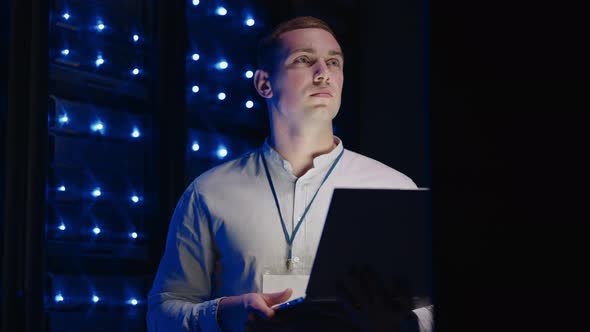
[(321, 72)]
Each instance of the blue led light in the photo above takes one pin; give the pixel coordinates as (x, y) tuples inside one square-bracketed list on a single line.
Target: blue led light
[(134, 199), (96, 192), (195, 146), (61, 188), (97, 126), (61, 227), (59, 298), (250, 22), (196, 2), (100, 26), (221, 96), (195, 88), (135, 38), (133, 235), (221, 65), (221, 11), (249, 104), (65, 52), (66, 16), (96, 230), (249, 74), (63, 118), (95, 298), (99, 61), (221, 152), (133, 301), (196, 57), (135, 133), (135, 71)]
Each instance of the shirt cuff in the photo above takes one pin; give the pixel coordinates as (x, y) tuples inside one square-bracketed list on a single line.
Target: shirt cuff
[(425, 318), (208, 317)]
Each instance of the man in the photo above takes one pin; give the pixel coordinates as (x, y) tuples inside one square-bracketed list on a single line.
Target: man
[(260, 216)]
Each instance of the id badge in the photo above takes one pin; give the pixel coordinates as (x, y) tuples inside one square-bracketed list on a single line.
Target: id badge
[(273, 283)]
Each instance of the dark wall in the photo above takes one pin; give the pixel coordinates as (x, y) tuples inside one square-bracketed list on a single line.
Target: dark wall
[(393, 121), (4, 33), (507, 143)]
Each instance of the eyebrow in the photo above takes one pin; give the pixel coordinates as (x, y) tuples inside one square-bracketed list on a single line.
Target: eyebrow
[(312, 51)]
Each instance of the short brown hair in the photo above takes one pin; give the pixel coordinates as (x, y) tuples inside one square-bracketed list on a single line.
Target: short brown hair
[(269, 45)]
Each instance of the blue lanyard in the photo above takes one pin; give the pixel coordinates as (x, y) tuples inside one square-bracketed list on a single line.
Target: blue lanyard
[(292, 237)]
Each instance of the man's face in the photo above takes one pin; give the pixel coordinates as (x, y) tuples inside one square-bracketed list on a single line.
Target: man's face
[(308, 77)]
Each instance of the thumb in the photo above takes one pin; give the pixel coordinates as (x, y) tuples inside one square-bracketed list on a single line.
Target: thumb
[(276, 298)]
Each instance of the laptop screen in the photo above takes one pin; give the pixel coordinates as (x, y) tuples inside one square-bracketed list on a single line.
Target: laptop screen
[(385, 231)]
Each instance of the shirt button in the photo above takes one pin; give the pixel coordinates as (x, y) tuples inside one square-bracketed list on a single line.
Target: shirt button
[(296, 259)]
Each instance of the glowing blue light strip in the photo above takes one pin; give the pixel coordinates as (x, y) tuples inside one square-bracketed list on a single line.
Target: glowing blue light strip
[(59, 298)]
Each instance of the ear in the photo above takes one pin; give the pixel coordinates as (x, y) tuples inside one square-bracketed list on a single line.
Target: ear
[(262, 84)]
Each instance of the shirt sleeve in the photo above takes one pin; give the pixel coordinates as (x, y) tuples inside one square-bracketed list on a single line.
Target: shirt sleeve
[(425, 318), (180, 298)]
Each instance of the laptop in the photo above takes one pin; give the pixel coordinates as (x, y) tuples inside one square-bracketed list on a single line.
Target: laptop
[(385, 231)]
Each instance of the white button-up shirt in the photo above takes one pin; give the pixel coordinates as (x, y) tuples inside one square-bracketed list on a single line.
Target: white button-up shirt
[(226, 233)]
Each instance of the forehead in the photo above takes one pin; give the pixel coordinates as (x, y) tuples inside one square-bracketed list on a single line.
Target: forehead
[(319, 40)]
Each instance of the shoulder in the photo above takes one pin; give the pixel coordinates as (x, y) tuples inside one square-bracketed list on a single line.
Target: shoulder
[(231, 172), (357, 170)]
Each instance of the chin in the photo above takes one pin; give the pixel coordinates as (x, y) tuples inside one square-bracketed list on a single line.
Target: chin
[(324, 104), (322, 111)]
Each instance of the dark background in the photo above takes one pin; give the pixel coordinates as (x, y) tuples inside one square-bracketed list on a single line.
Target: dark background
[(484, 103), (507, 106)]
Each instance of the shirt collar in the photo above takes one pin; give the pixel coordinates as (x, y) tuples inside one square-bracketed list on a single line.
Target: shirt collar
[(320, 162)]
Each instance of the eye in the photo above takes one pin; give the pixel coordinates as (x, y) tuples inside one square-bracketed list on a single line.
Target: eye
[(334, 62), (302, 59)]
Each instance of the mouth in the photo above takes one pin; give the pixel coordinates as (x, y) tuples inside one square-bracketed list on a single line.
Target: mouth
[(322, 93)]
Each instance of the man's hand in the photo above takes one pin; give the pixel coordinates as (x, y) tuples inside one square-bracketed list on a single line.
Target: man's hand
[(235, 311), (374, 305)]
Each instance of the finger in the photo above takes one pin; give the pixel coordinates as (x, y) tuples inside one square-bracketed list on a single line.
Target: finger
[(276, 298), (262, 310), (400, 293), (351, 288), (347, 297), (258, 306), (372, 285)]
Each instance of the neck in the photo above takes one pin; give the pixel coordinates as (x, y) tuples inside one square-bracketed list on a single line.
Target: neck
[(299, 147)]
